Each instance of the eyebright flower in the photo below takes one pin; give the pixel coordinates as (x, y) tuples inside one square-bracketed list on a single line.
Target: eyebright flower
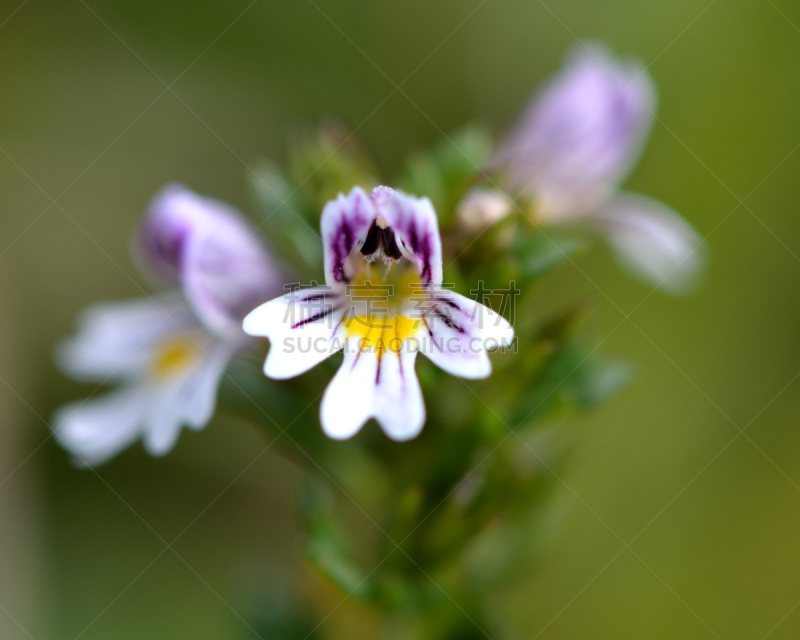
[(167, 353), (383, 302), (577, 141)]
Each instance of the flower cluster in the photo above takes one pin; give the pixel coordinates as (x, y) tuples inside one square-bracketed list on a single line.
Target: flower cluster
[(471, 498), (383, 301)]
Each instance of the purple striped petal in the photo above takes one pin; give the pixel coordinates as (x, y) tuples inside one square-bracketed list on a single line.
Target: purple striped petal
[(415, 224), (344, 223)]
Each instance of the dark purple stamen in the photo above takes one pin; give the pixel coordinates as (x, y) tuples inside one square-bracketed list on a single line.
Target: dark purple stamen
[(373, 241), (390, 247), (381, 239)]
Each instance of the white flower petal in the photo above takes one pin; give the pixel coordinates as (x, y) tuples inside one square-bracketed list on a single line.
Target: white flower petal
[(460, 332), (201, 390), (186, 399), (301, 327), (344, 223), (398, 405), (380, 384), (96, 430), (348, 400), (652, 241), (114, 338), (164, 419)]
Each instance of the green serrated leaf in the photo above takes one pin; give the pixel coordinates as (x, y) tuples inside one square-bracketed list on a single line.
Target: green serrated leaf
[(330, 560), (330, 162), (424, 178), (326, 540), (464, 154), (291, 235), (446, 173)]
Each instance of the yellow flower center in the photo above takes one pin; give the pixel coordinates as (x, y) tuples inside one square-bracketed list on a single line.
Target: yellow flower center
[(382, 299), (173, 356), (382, 333), (386, 289)]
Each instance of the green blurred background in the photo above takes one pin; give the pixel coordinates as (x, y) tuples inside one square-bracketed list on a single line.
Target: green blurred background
[(681, 526)]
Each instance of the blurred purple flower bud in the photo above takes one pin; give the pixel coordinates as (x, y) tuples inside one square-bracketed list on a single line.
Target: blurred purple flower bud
[(212, 251), (171, 217), (581, 134)]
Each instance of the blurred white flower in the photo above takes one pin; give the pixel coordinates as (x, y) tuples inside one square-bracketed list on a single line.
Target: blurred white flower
[(576, 142), (380, 314), (167, 353)]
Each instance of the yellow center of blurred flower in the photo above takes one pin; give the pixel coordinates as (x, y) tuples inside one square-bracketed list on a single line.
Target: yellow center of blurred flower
[(173, 357)]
